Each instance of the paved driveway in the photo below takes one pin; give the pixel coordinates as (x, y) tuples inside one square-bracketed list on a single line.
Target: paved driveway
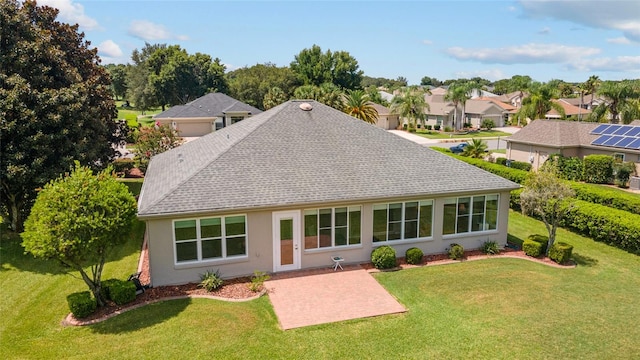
[(318, 298)]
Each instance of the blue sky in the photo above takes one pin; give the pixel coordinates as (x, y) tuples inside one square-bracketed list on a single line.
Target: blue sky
[(568, 40)]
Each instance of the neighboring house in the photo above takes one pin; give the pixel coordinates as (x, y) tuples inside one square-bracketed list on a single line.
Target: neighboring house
[(571, 112), (477, 109), (440, 111), (541, 138), (514, 98), (388, 97), (303, 182), (508, 110), (386, 119), (205, 114)]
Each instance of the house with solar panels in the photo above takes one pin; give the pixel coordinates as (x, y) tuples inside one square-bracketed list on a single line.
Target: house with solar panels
[(541, 138)]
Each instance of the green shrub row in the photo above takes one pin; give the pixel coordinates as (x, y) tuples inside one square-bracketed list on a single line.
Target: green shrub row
[(81, 304), (610, 197), (512, 174), (611, 226), (520, 165)]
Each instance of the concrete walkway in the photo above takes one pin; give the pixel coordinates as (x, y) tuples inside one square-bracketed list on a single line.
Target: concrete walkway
[(413, 137), (327, 296)]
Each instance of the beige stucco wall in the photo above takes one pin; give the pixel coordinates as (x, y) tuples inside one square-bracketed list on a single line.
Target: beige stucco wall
[(164, 271), (387, 121)]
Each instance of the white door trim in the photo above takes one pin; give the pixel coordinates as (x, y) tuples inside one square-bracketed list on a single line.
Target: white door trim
[(297, 248)]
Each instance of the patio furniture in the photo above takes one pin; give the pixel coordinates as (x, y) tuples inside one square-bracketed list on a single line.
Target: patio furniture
[(336, 262)]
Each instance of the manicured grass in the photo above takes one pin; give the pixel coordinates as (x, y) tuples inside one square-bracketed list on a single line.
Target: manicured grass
[(131, 115), (444, 135), (490, 309), (134, 184), (499, 151)]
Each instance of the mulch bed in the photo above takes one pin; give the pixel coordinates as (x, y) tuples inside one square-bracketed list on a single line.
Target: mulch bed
[(238, 289)]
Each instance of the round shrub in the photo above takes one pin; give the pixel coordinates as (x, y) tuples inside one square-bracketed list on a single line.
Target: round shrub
[(81, 304), (384, 257), (414, 256), (532, 248), (560, 252), (122, 292), (456, 252), (211, 280)]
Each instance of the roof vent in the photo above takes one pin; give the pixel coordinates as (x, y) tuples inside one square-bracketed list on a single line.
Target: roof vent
[(306, 107)]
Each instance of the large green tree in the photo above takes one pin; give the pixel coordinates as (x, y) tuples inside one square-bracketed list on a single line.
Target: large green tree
[(77, 219), (56, 104), (458, 93), (328, 94), (316, 68), (251, 84), (538, 104), (357, 104), (140, 91), (118, 75), (411, 105), (619, 102)]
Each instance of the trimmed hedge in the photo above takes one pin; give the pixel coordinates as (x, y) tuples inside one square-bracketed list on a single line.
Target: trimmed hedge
[(512, 174), (384, 257), (106, 287), (610, 197), (542, 239), (598, 169), (122, 292), (560, 252), (611, 226), (414, 256), (81, 304), (532, 248)]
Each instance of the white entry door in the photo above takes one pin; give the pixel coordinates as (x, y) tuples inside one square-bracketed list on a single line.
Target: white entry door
[(286, 240)]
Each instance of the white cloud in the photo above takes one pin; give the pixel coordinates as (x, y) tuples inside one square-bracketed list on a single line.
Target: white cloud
[(72, 13), (110, 49), (427, 42), (522, 54), (619, 40), (148, 31), (622, 15), (617, 64), (493, 74)]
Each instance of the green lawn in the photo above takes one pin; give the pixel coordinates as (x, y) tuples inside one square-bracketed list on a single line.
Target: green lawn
[(131, 115), (443, 135), (491, 309)]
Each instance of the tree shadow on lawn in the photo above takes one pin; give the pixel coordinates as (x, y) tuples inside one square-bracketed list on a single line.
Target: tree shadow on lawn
[(584, 260), (12, 254), (142, 317)]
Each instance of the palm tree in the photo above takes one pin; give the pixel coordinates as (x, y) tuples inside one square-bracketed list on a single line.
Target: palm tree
[(459, 93), (410, 104), (591, 85), (275, 96), (357, 104), (327, 93), (538, 104), (619, 104), (476, 149)]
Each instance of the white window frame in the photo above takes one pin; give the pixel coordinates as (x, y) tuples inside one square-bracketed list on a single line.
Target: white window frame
[(403, 222), (470, 215), (618, 155), (199, 239), (333, 228)]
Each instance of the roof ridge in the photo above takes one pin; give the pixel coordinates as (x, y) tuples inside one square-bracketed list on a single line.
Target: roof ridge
[(197, 170)]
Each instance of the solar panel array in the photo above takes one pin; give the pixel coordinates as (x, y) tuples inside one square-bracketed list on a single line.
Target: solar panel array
[(618, 136)]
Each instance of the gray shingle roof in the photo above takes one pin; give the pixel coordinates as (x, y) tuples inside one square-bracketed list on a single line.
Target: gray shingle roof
[(208, 106), (556, 133), (287, 156)]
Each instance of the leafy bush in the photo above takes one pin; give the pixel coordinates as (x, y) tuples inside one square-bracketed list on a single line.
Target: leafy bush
[(210, 280), (384, 257), (429, 127), (560, 252), (81, 304), (514, 175), (610, 197), (414, 256), (611, 226), (412, 129), (257, 280), (501, 161), (490, 248), (123, 165), (447, 129), (520, 165), (488, 124), (404, 127), (106, 287), (419, 126), (532, 248), (598, 169), (456, 252), (436, 127), (569, 168), (122, 292), (514, 199), (542, 239), (623, 171), (466, 125)]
